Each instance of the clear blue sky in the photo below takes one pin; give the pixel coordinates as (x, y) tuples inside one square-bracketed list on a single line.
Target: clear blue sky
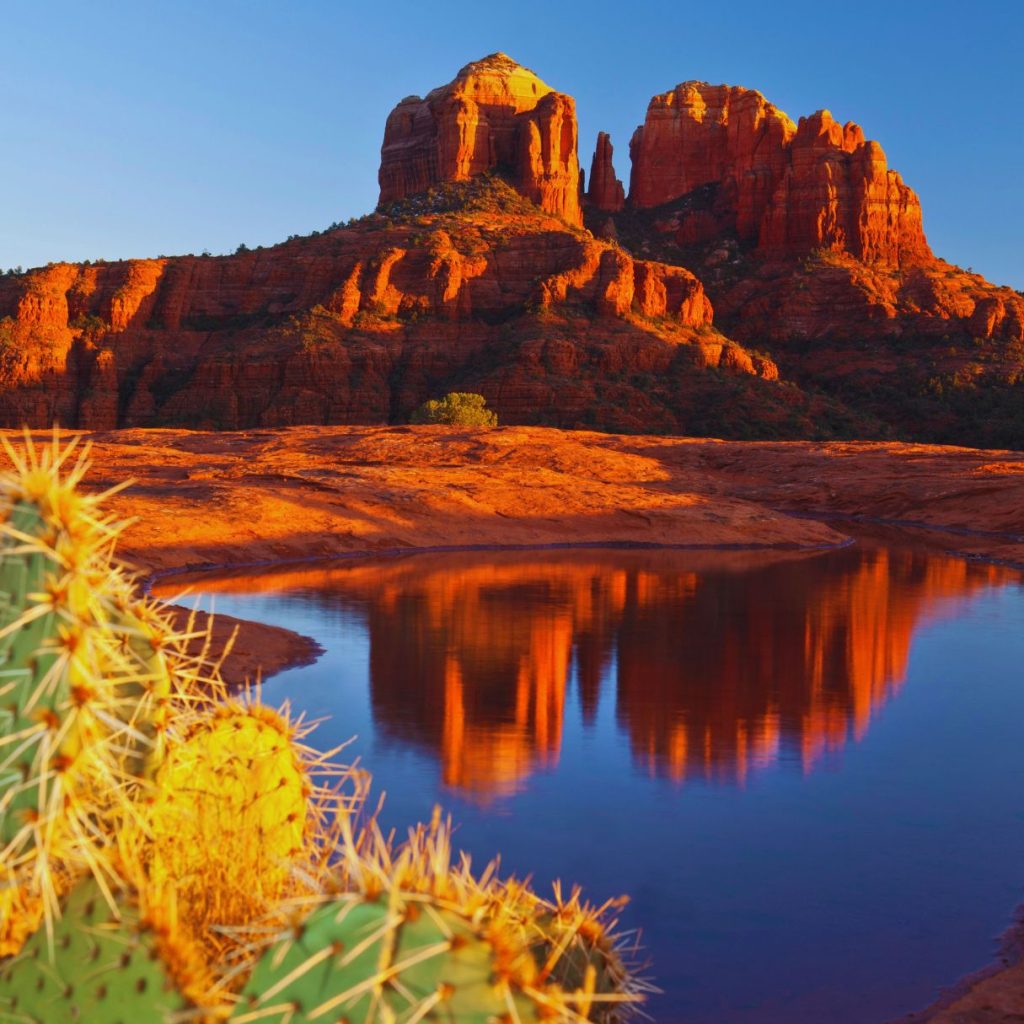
[(135, 129)]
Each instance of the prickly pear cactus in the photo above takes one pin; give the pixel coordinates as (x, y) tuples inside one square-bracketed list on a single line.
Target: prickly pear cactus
[(576, 946), (121, 759), (105, 967), (52, 728), (230, 817), (238, 822), (396, 959), (82, 677)]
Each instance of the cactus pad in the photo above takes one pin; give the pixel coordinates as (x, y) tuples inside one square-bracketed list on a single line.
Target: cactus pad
[(576, 946), (395, 959), (83, 674), (105, 969), (237, 822)]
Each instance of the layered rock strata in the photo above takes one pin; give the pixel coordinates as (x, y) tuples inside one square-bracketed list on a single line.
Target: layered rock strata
[(493, 116), (786, 189), (360, 325)]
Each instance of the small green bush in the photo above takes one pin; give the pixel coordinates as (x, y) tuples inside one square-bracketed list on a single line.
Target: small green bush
[(457, 409)]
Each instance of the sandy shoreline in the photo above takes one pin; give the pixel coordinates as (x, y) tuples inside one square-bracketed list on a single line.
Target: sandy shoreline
[(263, 497)]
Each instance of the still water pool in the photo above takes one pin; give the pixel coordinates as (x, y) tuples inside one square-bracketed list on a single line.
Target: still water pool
[(806, 770)]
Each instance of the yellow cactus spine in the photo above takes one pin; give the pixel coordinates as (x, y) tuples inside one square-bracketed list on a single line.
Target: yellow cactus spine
[(574, 950), (84, 680), (239, 821)]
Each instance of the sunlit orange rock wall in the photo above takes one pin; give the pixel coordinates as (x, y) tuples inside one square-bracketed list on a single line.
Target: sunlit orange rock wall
[(494, 116), (699, 134), (604, 191), (356, 325), (788, 189)]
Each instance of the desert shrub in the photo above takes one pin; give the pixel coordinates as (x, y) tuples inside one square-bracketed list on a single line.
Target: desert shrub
[(457, 409)]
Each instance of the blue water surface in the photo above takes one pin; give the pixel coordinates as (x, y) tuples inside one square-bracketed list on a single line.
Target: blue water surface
[(804, 770)]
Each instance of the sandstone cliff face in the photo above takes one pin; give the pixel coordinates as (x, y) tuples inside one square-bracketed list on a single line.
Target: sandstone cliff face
[(361, 325), (699, 134), (494, 116), (605, 191), (787, 189), (837, 193)]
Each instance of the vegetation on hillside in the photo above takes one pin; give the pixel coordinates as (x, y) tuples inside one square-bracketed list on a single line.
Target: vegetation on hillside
[(457, 409)]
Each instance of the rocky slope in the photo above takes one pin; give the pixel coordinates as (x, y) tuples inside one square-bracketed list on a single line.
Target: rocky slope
[(749, 249), (468, 287), (813, 249)]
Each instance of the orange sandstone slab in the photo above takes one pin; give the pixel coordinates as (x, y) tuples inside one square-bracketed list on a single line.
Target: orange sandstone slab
[(204, 499)]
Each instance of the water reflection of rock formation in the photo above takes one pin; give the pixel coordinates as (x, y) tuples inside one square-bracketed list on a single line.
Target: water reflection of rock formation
[(722, 662), (794, 657), (475, 663)]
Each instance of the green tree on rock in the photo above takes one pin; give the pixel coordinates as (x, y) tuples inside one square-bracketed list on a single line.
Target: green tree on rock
[(457, 409)]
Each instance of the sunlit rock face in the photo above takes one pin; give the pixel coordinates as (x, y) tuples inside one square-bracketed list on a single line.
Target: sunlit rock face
[(494, 116), (786, 188), (360, 325), (604, 190), (716, 664), (699, 134)]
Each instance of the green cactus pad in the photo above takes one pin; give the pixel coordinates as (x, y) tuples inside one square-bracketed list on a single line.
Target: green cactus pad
[(82, 671), (571, 953), (396, 960), (104, 969), (23, 661)]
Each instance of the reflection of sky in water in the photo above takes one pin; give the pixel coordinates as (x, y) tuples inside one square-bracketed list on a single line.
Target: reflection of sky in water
[(718, 735)]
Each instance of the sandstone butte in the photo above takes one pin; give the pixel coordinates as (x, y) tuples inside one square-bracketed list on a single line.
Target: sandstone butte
[(493, 115), (762, 279), (810, 246), (782, 188)]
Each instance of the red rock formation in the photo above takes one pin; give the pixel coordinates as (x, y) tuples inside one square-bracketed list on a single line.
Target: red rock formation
[(788, 189), (605, 192), (361, 325), (798, 234), (700, 134), (838, 193), (494, 116)]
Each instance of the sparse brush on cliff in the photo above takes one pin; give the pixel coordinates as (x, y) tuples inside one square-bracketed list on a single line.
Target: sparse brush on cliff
[(456, 409), (485, 193)]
